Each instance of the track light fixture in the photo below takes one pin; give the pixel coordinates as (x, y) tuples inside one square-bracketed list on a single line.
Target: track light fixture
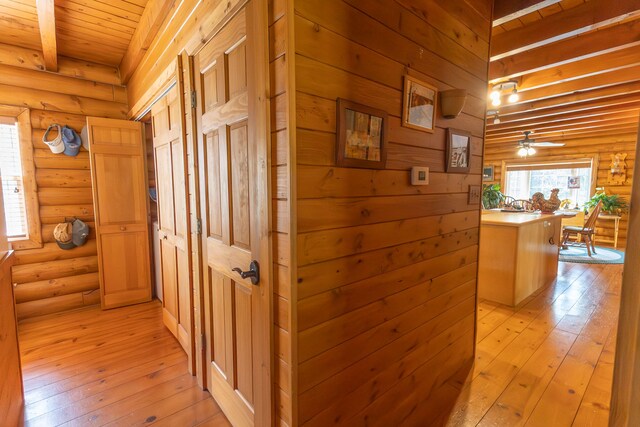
[(496, 92), (496, 116)]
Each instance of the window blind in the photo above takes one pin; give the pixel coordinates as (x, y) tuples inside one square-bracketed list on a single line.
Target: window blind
[(12, 186)]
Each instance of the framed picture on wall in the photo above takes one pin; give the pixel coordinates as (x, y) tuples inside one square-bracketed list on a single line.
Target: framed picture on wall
[(487, 173), (458, 154), (362, 136), (419, 104)]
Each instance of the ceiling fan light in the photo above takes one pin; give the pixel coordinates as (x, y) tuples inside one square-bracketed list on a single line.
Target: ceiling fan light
[(522, 152), (495, 94), (514, 97), (496, 102), (531, 151), (496, 120)]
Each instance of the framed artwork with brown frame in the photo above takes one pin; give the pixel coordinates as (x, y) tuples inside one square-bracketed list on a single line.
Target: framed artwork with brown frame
[(458, 152), (362, 136), (419, 104)]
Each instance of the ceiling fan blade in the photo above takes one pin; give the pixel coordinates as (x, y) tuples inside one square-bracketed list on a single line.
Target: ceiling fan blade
[(547, 144)]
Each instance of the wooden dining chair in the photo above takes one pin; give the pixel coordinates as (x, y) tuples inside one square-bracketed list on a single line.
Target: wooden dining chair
[(587, 231)]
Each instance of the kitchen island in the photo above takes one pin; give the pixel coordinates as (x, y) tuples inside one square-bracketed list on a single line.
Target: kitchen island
[(518, 254)]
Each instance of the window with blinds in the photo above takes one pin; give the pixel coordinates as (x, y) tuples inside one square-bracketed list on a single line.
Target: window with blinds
[(12, 185)]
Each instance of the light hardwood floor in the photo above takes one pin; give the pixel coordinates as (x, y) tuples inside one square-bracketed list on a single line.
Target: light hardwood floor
[(549, 362), (119, 367)]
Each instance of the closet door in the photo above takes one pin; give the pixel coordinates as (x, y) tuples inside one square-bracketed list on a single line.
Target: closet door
[(171, 181), (118, 175)]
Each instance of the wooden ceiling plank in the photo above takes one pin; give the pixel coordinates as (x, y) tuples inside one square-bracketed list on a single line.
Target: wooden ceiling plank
[(596, 94), (508, 10), (90, 5), (523, 113), (539, 121), (587, 67), (152, 18), (71, 7), (590, 128), (603, 120), (584, 46), (47, 24), (597, 81), (559, 26)]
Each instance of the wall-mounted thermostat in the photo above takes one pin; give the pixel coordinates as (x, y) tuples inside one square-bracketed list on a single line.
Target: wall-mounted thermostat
[(419, 175)]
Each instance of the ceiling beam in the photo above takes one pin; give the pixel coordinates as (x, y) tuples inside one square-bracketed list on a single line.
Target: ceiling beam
[(625, 75), (151, 20), (508, 10), (581, 130), (597, 94), (587, 67), (47, 24), (589, 45), (527, 122), (600, 120), (587, 17)]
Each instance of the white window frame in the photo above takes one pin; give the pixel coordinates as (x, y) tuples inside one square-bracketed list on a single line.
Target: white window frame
[(32, 206), (551, 161)]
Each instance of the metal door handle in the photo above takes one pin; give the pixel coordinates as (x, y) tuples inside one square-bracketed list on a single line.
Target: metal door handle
[(253, 273)]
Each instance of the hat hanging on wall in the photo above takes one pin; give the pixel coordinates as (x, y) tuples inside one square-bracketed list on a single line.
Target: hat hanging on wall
[(55, 145), (71, 141), (71, 234), (452, 102)]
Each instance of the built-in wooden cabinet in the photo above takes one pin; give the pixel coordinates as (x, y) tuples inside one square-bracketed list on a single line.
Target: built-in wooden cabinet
[(118, 175)]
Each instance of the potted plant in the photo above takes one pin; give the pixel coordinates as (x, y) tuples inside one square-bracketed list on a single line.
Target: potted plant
[(491, 196), (612, 204)]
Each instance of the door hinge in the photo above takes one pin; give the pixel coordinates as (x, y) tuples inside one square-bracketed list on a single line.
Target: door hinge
[(193, 99), (198, 226)]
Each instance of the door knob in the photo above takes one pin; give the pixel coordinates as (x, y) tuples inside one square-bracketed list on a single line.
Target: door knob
[(253, 273)]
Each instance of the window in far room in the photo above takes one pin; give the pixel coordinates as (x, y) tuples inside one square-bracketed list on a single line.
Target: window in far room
[(573, 178)]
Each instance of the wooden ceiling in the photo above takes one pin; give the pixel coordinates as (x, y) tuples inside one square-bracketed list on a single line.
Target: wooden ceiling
[(577, 66), (92, 30)]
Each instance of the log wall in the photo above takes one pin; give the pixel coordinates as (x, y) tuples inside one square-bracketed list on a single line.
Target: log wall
[(50, 279), (597, 147), (386, 271)]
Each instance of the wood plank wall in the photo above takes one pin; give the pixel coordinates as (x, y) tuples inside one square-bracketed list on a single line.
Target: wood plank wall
[(602, 147), (279, 58), (386, 275), (51, 279)]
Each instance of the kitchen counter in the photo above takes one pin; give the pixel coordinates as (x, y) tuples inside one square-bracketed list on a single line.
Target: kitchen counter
[(518, 254)]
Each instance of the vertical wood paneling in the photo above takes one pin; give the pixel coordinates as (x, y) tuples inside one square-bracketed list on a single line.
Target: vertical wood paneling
[(386, 271)]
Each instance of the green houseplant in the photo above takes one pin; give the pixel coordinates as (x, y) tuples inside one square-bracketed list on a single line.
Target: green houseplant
[(611, 203), (491, 196)]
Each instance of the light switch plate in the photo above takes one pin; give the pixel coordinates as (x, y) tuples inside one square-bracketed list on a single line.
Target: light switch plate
[(419, 175)]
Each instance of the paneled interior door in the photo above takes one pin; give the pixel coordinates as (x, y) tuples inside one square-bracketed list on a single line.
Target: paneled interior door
[(173, 217), (233, 147), (118, 174)]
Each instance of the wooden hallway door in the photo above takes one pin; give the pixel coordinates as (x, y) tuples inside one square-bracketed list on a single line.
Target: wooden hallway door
[(173, 218), (118, 175), (232, 112)]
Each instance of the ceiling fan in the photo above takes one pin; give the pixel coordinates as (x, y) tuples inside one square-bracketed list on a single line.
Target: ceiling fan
[(525, 146)]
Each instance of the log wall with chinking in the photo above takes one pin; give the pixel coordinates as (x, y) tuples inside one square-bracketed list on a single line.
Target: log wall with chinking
[(50, 279), (601, 147), (386, 271)]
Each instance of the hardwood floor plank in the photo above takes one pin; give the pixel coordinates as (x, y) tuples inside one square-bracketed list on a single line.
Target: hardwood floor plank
[(552, 342), (118, 367)]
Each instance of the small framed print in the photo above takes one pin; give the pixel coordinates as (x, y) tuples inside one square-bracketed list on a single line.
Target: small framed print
[(487, 173), (419, 104), (458, 154), (573, 182), (362, 136)]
